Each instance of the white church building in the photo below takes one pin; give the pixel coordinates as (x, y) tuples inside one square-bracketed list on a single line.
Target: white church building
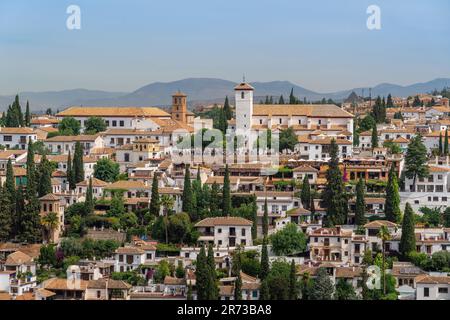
[(311, 122)]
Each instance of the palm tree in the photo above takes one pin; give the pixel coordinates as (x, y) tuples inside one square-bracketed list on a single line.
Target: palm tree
[(384, 235), (167, 202), (50, 222)]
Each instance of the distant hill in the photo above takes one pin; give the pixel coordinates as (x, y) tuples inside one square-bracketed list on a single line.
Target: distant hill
[(57, 99), (203, 90)]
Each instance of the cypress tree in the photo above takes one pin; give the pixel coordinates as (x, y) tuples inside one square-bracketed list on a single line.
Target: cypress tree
[(334, 196), (264, 270), (27, 115), (264, 293), (254, 218), (226, 193), (306, 193), (374, 137), (408, 239), (44, 177), (187, 192), (293, 289), (227, 109), (292, 99), (392, 204), (212, 290), (78, 164), (360, 217), (89, 203), (6, 223), (281, 101), (441, 147), (10, 190), (214, 200), (155, 203), (70, 173), (238, 287), (312, 208), (446, 143), (30, 219), (265, 222), (201, 275)]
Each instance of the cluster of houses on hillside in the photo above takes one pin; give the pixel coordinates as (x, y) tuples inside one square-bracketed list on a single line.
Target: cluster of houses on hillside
[(144, 142)]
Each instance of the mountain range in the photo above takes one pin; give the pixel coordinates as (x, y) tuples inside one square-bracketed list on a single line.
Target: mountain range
[(202, 91)]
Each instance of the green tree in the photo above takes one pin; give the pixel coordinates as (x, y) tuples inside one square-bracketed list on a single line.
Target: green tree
[(306, 193), (289, 240), (44, 177), (264, 292), (226, 207), (117, 208), (167, 203), (90, 202), (441, 146), (6, 222), (384, 235), (416, 159), (94, 125), (293, 285), (238, 287), (344, 291), (446, 217), (106, 170), (214, 200), (30, 219), (10, 191), (69, 127), (212, 289), (27, 115), (322, 288), (288, 139), (187, 192), (374, 137), (408, 239), (446, 143), (292, 98), (265, 268), (360, 210), (389, 102), (254, 218), (70, 173), (392, 203), (155, 203), (265, 220), (201, 275), (334, 196), (227, 109), (78, 164)]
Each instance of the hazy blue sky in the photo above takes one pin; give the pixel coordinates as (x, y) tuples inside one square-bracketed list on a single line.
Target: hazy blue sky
[(124, 44)]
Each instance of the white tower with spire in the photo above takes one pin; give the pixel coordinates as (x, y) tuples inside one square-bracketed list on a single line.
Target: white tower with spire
[(244, 107)]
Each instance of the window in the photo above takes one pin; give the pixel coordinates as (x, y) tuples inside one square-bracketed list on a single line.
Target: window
[(99, 294), (107, 123), (243, 232), (439, 188), (220, 242), (149, 256), (114, 123), (120, 257), (7, 138), (443, 290), (242, 95), (122, 123), (426, 292), (126, 157), (219, 230)]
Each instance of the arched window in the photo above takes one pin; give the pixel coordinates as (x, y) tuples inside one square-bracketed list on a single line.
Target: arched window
[(242, 95)]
